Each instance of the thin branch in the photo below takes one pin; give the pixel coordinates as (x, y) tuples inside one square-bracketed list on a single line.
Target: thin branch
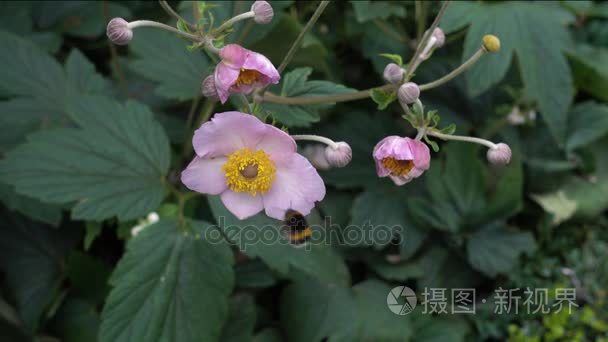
[(475, 140), (174, 14), (464, 66), (150, 23), (310, 100), (296, 44), (415, 61)]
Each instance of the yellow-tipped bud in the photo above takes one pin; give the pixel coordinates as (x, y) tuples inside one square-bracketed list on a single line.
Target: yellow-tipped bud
[(491, 43)]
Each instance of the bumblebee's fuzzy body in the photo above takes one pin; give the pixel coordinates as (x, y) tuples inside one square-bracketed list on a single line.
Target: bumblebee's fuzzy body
[(297, 230)]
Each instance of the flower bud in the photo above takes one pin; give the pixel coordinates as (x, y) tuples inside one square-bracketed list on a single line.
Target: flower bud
[(118, 31), (491, 43), (408, 93), (439, 36), (209, 90), (316, 156), (500, 155), (339, 155), (393, 73), (262, 11)]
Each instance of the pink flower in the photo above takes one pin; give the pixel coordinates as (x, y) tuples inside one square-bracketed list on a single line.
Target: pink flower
[(252, 166), (242, 71), (402, 159)]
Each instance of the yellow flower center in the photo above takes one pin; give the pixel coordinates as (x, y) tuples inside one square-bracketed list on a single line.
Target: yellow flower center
[(247, 77), (398, 167), (249, 171)]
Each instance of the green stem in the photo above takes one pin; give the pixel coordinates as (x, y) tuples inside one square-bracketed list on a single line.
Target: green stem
[(310, 100), (150, 23), (174, 14), (475, 140), (204, 115), (420, 18), (228, 23), (415, 61), (296, 44), (464, 66), (193, 106)]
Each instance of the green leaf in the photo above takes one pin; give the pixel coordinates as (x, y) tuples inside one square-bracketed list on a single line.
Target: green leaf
[(268, 335), (589, 70), (450, 129), (376, 322), (167, 280), (93, 230), (112, 165), (366, 10), (32, 258), (383, 97), (30, 207), (163, 58), (29, 71), (445, 269), (312, 311), (429, 328), (507, 197), (43, 89), (379, 37), (88, 277), (76, 321), (82, 76), (296, 84), (494, 248), (380, 216), (590, 194), (558, 204), (400, 271), (393, 57), (241, 319), (260, 236), (254, 274), (79, 18), (587, 123), (538, 40), (456, 193)]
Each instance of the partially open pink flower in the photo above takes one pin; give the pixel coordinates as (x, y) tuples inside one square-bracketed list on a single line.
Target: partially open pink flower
[(401, 159), (242, 71), (252, 166)]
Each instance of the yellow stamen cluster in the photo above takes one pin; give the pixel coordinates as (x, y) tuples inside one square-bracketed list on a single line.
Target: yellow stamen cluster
[(247, 77), (249, 171), (398, 167)]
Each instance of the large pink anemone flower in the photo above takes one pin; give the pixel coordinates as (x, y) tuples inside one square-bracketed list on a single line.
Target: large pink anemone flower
[(401, 159), (242, 71), (252, 166)]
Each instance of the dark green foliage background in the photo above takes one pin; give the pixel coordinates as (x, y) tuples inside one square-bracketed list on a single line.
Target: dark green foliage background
[(93, 136)]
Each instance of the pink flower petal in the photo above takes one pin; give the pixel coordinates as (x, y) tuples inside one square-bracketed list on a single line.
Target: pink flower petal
[(276, 143), (297, 186), (258, 62), (400, 180), (205, 176), (422, 154), (226, 133), (393, 147), (242, 204), (225, 77), (234, 55)]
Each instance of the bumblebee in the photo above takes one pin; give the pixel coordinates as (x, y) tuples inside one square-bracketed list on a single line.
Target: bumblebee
[(296, 229)]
